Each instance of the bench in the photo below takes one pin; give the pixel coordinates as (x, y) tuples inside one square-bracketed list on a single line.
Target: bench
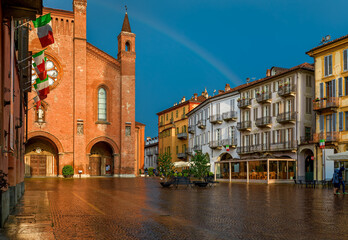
[(182, 181)]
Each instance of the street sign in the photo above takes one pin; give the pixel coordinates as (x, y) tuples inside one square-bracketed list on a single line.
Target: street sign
[(227, 148), (322, 143)]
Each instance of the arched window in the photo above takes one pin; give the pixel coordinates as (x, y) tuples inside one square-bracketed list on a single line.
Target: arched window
[(127, 47), (101, 104)]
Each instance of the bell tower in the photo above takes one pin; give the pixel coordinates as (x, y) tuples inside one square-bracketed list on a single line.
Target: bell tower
[(126, 162)]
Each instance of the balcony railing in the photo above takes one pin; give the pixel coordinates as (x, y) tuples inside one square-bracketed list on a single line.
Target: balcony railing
[(182, 155), (227, 116), (290, 145), (244, 103), (256, 148), (215, 118), (182, 135), (152, 152), (263, 97), (197, 148), (215, 144), (286, 117), (265, 147), (263, 121), (330, 103), (231, 142), (288, 90), (307, 139), (244, 150), (201, 124), (327, 136), (191, 129), (245, 125)]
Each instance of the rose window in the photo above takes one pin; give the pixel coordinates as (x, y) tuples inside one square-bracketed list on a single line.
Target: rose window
[(52, 73)]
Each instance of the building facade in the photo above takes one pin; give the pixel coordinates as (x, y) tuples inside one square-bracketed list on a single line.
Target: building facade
[(212, 129), (88, 119), (275, 112), (14, 82), (151, 153), (172, 128), (331, 103)]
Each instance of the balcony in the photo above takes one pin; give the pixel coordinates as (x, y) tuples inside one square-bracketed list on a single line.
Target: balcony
[(327, 136), (244, 103), (197, 148), (244, 150), (256, 148), (264, 97), (244, 126), (286, 117), (231, 142), (228, 116), (284, 146), (201, 124), (191, 129), (216, 118), (265, 147), (182, 135), (308, 139), (182, 155), (329, 104), (264, 122), (287, 91), (217, 144)]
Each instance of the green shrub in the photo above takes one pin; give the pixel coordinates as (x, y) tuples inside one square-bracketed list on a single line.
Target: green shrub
[(165, 165), (200, 165), (185, 174), (139, 171), (211, 174), (175, 174), (179, 174), (68, 170), (150, 172)]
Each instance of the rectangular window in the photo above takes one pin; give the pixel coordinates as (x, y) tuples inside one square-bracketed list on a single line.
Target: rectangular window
[(128, 130), (345, 60), (321, 90), (328, 123), (177, 113), (340, 121), (346, 86), (308, 81), (334, 122), (308, 105), (167, 116), (346, 117), (183, 111), (340, 87), (328, 65), (321, 123)]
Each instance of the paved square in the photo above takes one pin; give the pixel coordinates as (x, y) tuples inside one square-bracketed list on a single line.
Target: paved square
[(112, 208)]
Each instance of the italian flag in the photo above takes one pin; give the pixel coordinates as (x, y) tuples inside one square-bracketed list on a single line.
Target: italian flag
[(37, 100), (42, 87), (44, 30), (39, 64)]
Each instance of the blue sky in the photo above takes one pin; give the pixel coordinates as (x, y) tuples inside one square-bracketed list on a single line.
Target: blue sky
[(184, 46)]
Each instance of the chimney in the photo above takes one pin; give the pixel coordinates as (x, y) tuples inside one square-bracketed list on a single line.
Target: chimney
[(195, 94), (268, 73), (221, 91), (148, 138), (205, 93), (183, 99), (227, 87)]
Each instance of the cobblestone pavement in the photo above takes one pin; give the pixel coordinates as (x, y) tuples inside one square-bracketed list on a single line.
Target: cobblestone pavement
[(112, 208)]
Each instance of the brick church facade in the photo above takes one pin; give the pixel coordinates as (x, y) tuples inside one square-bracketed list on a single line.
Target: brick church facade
[(88, 118)]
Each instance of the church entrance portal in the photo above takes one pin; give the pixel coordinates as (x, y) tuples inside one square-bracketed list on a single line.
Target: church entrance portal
[(101, 160)]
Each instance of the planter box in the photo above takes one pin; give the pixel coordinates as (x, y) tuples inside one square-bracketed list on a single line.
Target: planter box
[(69, 176)]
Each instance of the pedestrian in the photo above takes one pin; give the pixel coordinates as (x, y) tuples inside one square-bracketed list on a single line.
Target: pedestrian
[(146, 171), (340, 177), (336, 182)]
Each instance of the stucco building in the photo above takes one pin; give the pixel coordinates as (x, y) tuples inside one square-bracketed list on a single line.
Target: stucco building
[(88, 119), (331, 103), (212, 130), (151, 152)]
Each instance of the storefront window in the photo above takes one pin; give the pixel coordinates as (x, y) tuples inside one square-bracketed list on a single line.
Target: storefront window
[(239, 170), (258, 170)]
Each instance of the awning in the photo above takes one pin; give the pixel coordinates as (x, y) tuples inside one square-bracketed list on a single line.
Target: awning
[(339, 157), (181, 164)]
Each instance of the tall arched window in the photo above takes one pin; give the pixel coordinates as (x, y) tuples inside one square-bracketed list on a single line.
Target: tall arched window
[(127, 47), (101, 104)]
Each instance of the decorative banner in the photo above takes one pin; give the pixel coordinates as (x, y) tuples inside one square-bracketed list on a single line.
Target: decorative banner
[(40, 64), (44, 30), (322, 143)]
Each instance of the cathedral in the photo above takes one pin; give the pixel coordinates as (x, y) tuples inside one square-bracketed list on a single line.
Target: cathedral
[(88, 119)]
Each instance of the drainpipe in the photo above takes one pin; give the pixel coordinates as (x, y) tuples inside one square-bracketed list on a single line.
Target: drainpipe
[(12, 85)]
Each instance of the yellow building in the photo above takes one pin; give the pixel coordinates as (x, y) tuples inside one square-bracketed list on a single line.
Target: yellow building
[(331, 103), (172, 127)]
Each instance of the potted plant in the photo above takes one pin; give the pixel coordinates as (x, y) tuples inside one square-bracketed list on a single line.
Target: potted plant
[(68, 171), (200, 168), (238, 100), (150, 172), (165, 167)]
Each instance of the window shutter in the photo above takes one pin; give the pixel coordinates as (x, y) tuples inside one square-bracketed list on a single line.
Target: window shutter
[(330, 64), (340, 121), (340, 87), (326, 66), (334, 122), (345, 64), (273, 104), (321, 123), (334, 88), (346, 113), (321, 90)]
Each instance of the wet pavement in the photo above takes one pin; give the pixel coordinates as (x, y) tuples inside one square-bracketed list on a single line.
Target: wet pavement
[(113, 208)]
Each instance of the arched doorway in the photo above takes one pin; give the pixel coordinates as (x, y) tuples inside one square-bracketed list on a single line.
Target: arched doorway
[(41, 157), (101, 160), (308, 164), (223, 169)]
